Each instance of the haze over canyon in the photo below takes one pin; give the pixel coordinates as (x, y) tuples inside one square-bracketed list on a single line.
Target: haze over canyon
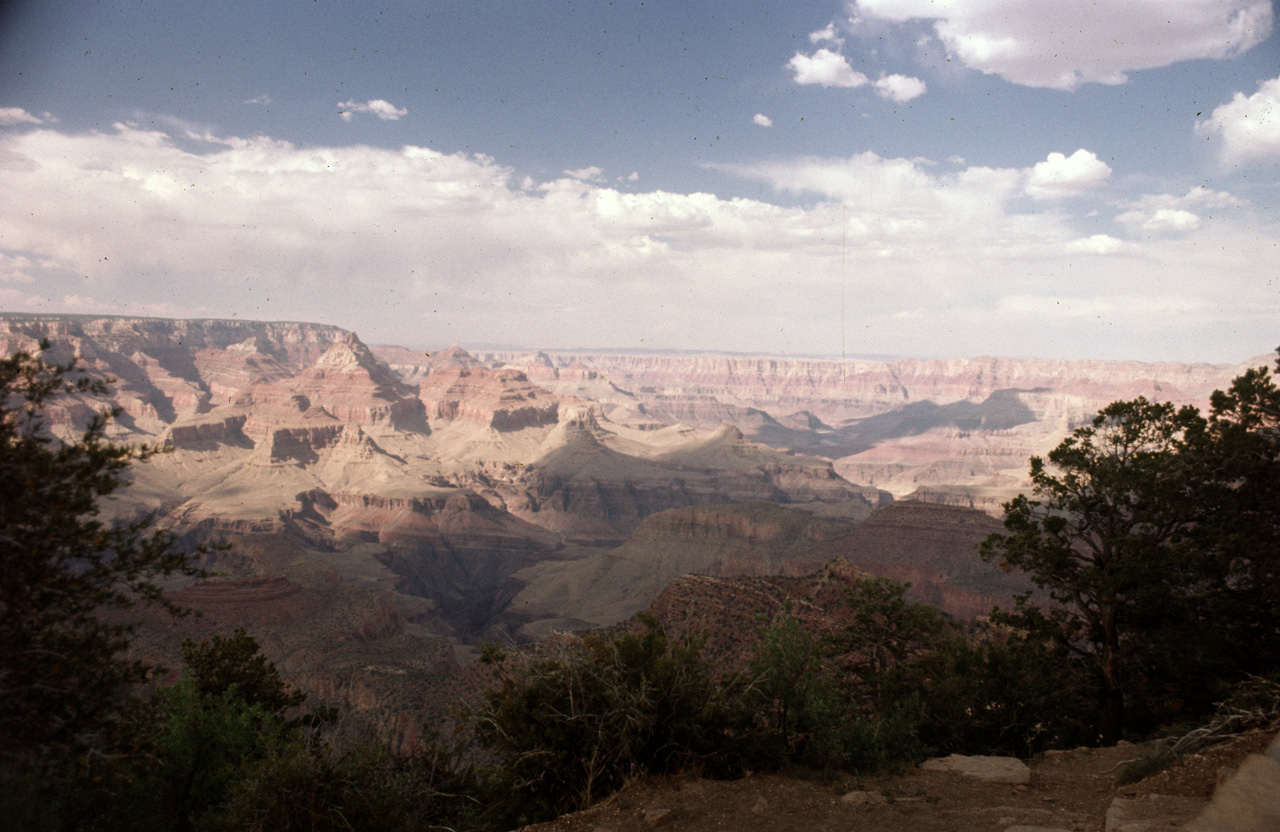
[(391, 509)]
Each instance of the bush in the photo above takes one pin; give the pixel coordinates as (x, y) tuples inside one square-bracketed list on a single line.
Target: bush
[(203, 741), (574, 727), (236, 663), (792, 700), (1012, 696), (337, 786)]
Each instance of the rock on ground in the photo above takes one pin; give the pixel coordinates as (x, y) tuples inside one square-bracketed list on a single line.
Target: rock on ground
[(1247, 802), (988, 769), (1151, 813)]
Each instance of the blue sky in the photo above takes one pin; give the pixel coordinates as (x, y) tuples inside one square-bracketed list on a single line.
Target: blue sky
[(911, 177)]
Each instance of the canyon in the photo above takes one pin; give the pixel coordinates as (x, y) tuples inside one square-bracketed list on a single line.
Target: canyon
[(391, 509)]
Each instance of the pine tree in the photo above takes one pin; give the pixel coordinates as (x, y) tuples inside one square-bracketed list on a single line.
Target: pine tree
[(64, 571)]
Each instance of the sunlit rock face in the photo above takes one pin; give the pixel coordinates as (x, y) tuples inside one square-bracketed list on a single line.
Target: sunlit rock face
[(168, 370), (460, 469), (390, 507), (504, 400), (955, 431), (346, 383)]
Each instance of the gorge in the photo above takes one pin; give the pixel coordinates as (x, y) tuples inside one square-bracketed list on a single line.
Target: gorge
[(390, 510)]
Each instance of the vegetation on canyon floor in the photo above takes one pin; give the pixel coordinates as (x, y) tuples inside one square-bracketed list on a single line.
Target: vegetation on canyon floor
[(1152, 533)]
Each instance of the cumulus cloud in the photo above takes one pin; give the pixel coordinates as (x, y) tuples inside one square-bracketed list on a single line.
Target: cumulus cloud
[(263, 99), (762, 120), (17, 115), (1101, 244), (1166, 213), (384, 110), (17, 268), (900, 88), (826, 35), (1061, 176), (1248, 127), (1066, 43), (830, 69), (1161, 220), (588, 174), (410, 244)]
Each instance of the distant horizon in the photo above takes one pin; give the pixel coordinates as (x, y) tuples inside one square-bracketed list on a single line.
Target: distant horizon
[(480, 347)]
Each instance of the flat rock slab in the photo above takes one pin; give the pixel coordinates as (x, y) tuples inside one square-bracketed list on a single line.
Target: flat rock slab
[(861, 798), (656, 817), (1153, 813), (989, 769), (1248, 802)]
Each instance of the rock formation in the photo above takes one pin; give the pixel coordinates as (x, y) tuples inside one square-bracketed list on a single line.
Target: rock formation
[(389, 504)]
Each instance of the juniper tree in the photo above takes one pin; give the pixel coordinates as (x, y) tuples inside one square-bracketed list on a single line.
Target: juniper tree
[(1107, 534), (64, 570)]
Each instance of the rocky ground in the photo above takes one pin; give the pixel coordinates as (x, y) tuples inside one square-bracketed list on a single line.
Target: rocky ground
[(1068, 791)]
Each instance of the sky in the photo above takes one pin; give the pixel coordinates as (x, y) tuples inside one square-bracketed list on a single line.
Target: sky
[(930, 178)]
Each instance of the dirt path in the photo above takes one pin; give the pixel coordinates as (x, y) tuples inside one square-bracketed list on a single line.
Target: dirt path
[(1069, 790)]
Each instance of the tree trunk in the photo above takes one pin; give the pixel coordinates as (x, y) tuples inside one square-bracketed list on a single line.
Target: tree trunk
[(1112, 716)]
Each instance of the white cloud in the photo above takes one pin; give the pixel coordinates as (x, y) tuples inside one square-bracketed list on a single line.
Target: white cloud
[(1249, 128), (1101, 244), (384, 110), (17, 115), (830, 69), (17, 268), (263, 99), (410, 244), (1166, 213), (762, 120), (589, 174), (1161, 220), (900, 88), (1061, 176), (826, 35), (1066, 43)]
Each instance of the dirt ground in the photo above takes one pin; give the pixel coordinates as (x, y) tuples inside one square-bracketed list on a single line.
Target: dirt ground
[(1069, 790)]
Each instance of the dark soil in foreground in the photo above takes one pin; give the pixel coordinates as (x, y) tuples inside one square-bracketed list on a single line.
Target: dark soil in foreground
[(1069, 790)]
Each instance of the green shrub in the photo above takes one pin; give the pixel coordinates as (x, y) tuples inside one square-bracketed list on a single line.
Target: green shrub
[(203, 741), (574, 727), (221, 664), (791, 699), (1008, 697), (344, 786)]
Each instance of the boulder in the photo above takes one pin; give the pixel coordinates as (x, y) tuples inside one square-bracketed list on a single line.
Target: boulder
[(1248, 802), (861, 798), (989, 769)]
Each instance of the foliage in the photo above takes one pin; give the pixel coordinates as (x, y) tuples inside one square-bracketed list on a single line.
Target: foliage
[(887, 633), (576, 726), (1242, 521), (1252, 704), (342, 786), (236, 664), (1154, 533), (64, 572), (1107, 538), (203, 739), (1004, 696), (793, 698)]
